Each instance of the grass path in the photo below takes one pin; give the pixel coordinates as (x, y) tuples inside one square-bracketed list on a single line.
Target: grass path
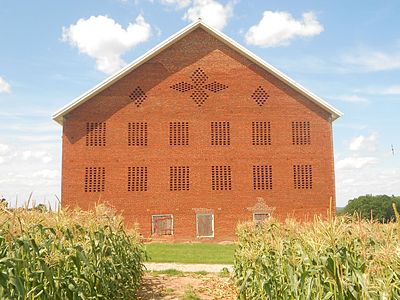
[(191, 253)]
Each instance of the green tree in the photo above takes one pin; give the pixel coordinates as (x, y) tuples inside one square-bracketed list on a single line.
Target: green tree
[(3, 202), (378, 207), (41, 207)]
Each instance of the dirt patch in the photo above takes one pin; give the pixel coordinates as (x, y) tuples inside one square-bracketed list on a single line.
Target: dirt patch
[(187, 287)]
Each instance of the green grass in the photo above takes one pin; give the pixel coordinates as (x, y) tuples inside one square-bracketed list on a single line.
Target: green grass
[(191, 253)]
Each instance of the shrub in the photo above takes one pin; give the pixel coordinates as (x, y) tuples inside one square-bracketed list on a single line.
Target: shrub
[(67, 255), (345, 258)]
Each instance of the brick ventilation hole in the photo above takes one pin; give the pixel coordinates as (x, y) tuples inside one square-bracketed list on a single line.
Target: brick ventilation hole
[(262, 177), (137, 179), (179, 133), (302, 176), (260, 96), (95, 178), (301, 133), (138, 96), (199, 87), (95, 134), (137, 134), (221, 178), (179, 178), (220, 134), (261, 133)]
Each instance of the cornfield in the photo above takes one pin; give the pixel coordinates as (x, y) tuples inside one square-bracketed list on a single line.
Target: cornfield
[(343, 258), (67, 255)]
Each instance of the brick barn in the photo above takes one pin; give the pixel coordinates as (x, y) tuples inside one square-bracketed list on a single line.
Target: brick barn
[(195, 136)]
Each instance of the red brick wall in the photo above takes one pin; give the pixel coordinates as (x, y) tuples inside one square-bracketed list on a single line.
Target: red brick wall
[(163, 105)]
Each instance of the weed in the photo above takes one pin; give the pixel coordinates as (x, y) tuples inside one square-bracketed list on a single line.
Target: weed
[(190, 294)]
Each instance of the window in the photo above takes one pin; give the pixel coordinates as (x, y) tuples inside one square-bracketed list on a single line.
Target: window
[(262, 177), (302, 176), (221, 178), (137, 134), (179, 178), (301, 133), (162, 224), (95, 178), (261, 133), (220, 133), (260, 216), (205, 225), (179, 133), (95, 134), (137, 179)]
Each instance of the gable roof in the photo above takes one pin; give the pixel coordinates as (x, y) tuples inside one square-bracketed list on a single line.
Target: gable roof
[(59, 115)]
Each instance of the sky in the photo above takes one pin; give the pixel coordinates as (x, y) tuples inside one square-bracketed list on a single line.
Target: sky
[(346, 52)]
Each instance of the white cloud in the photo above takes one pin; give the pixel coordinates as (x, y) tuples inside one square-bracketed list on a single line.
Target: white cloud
[(178, 3), (280, 28), (374, 60), (43, 156), (211, 12), (4, 149), (105, 40), (350, 98), (364, 143), (46, 174), (355, 162), (392, 90), (353, 183), (5, 153), (5, 87)]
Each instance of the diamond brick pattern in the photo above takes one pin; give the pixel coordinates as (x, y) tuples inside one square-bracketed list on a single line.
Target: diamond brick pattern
[(260, 96), (138, 96)]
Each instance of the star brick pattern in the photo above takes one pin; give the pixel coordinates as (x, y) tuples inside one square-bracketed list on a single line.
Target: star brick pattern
[(199, 87)]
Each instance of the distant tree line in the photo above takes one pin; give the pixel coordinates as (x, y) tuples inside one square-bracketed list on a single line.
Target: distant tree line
[(379, 207), (40, 207)]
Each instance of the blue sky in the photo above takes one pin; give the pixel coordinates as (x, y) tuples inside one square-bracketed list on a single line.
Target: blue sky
[(347, 52)]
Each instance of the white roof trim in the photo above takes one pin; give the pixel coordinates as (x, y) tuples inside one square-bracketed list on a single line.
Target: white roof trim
[(59, 115)]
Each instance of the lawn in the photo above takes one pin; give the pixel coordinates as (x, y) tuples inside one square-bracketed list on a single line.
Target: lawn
[(191, 253)]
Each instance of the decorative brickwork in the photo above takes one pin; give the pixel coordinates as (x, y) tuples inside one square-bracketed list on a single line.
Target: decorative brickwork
[(95, 134), (137, 134), (260, 96), (220, 133), (95, 178), (221, 178), (199, 94), (302, 177), (179, 178), (179, 133), (138, 96), (262, 177), (137, 179), (261, 133), (301, 133)]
